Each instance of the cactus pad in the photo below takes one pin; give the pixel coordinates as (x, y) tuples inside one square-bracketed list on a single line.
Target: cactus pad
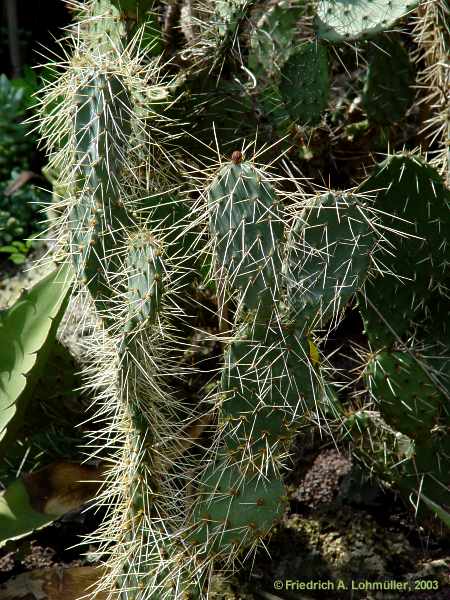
[(268, 384), (305, 83), (271, 42), (340, 20), (236, 509), (388, 91), (247, 233), (408, 400), (414, 207), (329, 252)]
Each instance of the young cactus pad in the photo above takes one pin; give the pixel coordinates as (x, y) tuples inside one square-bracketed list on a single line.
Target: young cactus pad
[(247, 232)]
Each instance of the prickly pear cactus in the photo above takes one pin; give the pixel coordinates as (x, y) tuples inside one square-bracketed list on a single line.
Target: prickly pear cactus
[(182, 246), (330, 255), (268, 383), (416, 205), (305, 83), (386, 98), (98, 218), (414, 403)]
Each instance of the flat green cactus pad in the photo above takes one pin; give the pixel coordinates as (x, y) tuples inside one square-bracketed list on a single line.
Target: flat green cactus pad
[(329, 252), (268, 381), (305, 83), (414, 207), (235, 509), (388, 91), (428, 474), (340, 20), (408, 400), (247, 233)]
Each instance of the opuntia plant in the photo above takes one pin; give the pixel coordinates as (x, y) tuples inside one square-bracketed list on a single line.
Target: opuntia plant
[(195, 173)]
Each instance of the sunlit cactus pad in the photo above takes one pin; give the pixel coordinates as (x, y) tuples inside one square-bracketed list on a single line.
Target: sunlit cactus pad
[(247, 232), (329, 254), (340, 20)]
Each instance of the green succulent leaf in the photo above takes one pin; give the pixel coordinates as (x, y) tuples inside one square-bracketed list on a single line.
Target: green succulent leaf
[(17, 517), (38, 498), (27, 334)]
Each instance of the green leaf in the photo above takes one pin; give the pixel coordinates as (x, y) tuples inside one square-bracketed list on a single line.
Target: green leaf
[(17, 516), (38, 498), (440, 512), (20, 245), (27, 334), (18, 259)]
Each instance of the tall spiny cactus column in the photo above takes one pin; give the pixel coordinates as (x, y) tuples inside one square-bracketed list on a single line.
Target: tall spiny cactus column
[(98, 219), (103, 146)]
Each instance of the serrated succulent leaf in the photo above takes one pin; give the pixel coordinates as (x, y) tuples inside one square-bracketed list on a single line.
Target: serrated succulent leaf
[(27, 335)]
